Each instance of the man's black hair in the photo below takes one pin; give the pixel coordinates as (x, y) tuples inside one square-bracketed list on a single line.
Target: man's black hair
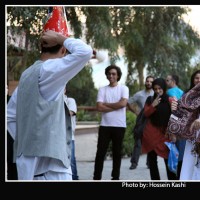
[(52, 50)]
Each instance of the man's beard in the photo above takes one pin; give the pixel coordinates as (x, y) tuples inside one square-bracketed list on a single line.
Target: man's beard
[(148, 87)]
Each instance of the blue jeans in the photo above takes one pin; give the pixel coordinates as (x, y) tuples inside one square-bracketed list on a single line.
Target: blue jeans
[(73, 162)]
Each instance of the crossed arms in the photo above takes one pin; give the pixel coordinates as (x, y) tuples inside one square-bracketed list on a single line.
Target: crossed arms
[(108, 107)]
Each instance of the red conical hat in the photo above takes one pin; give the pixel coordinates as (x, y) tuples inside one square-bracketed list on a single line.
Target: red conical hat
[(57, 21)]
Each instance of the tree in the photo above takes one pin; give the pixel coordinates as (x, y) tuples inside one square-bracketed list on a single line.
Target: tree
[(153, 38), (25, 27), (28, 22), (78, 88)]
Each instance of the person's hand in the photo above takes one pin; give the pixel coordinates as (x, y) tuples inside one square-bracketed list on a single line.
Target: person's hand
[(172, 137), (51, 38), (172, 99), (156, 101), (195, 125), (94, 54), (174, 104)]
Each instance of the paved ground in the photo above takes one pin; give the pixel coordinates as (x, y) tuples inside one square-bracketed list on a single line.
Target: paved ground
[(86, 140), (85, 170)]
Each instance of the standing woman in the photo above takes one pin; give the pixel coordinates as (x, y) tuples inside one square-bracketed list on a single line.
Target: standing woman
[(191, 159), (157, 112)]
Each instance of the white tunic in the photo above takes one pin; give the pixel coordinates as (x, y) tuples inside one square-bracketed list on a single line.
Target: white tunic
[(191, 163), (71, 104), (54, 75)]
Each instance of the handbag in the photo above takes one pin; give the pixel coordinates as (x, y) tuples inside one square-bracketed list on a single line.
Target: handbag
[(179, 122), (139, 125), (187, 111), (141, 121)]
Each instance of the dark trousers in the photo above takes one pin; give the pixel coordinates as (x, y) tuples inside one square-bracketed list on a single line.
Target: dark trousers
[(179, 169), (11, 167), (137, 152), (153, 166), (73, 163), (107, 134)]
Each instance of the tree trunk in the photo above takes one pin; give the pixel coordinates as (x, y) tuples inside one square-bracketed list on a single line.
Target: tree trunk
[(140, 68), (24, 59)]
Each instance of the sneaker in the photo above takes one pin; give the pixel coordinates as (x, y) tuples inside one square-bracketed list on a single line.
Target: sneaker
[(133, 166)]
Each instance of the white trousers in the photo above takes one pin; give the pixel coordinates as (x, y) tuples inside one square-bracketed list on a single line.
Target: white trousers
[(62, 176), (191, 164), (30, 168)]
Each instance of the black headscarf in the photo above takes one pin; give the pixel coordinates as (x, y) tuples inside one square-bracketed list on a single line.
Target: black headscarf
[(161, 116)]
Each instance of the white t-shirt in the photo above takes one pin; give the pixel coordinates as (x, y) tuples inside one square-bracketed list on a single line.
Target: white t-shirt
[(71, 104), (107, 94)]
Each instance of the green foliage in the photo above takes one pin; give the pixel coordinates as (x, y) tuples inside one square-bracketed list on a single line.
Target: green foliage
[(155, 38), (82, 88), (128, 141), (133, 87), (99, 28), (159, 39), (30, 21), (26, 24), (83, 115), (27, 20)]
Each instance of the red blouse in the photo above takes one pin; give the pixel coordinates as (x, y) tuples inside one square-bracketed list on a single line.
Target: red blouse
[(153, 137)]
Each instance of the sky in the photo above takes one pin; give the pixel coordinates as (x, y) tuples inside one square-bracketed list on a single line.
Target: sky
[(193, 18)]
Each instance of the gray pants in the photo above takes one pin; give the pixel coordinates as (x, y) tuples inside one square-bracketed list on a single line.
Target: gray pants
[(136, 151)]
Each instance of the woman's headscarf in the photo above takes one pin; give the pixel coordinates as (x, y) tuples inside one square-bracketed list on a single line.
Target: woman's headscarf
[(161, 116)]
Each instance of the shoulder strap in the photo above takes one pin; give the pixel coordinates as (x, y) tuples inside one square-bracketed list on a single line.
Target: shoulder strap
[(149, 99)]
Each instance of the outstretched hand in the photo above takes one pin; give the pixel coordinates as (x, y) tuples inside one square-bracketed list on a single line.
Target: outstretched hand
[(174, 104), (172, 137), (195, 125)]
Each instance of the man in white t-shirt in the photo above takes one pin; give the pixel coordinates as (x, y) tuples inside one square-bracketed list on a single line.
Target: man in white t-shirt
[(111, 102)]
